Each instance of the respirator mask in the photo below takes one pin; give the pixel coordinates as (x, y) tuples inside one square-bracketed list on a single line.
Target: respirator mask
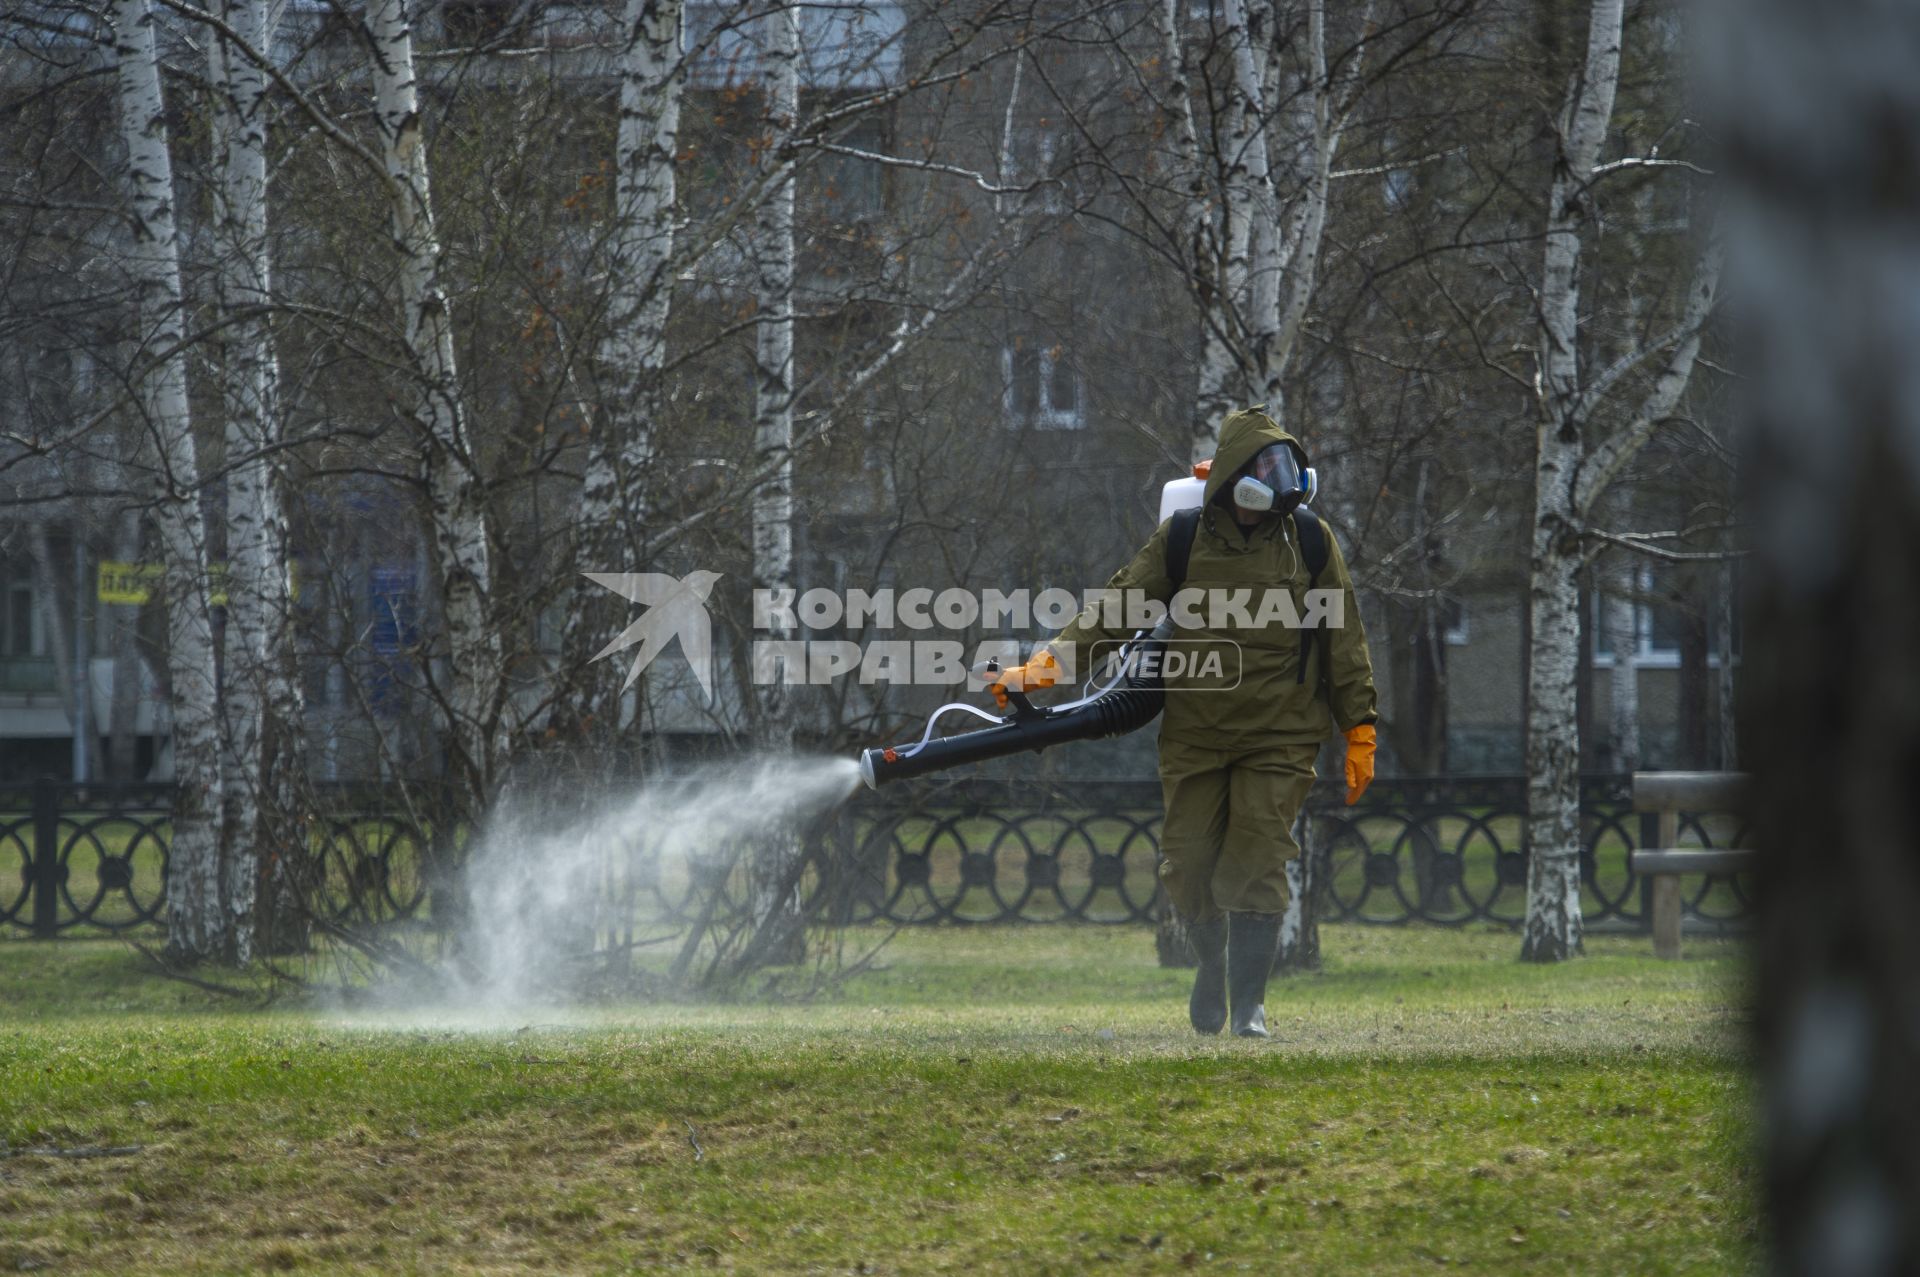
[(1274, 482)]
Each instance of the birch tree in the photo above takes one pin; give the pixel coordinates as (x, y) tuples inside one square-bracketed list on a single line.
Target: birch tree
[(261, 699), (1196, 237), (198, 923), (1253, 265), (456, 498), (614, 508), (776, 894), (1254, 185), (1578, 452), (644, 252)]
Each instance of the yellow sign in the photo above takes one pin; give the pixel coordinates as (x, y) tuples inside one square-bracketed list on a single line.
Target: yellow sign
[(134, 583), (128, 582)]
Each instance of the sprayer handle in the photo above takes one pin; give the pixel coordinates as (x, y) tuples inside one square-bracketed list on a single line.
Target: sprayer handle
[(1041, 670)]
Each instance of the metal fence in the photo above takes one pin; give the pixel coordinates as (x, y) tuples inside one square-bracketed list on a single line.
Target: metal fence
[(1448, 850)]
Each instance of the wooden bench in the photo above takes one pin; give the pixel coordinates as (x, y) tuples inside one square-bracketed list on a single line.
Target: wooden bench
[(1667, 794)]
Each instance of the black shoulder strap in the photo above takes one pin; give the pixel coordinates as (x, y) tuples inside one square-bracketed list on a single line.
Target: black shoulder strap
[(1180, 532), (1313, 543), (1313, 550)]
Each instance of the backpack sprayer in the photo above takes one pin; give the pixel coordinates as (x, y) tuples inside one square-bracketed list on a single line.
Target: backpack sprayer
[(1130, 699)]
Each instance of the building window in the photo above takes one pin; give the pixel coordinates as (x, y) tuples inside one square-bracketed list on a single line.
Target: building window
[(20, 629), (1041, 387), (856, 45)]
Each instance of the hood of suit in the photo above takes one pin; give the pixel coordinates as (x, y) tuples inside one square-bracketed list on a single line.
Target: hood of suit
[(1242, 435)]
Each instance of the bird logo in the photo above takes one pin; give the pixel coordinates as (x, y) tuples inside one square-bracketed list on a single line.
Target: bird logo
[(676, 608)]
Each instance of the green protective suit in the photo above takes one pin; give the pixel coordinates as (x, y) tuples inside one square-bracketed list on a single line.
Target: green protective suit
[(1236, 762)]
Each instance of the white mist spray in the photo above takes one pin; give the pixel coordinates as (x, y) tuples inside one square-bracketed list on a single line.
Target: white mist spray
[(545, 885)]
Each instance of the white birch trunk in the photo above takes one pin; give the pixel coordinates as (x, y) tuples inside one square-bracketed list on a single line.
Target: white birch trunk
[(776, 899), (1244, 192), (1299, 947), (1201, 245), (262, 695), (772, 501), (1318, 121), (613, 497), (1283, 265), (1573, 468), (1253, 238), (461, 543), (1618, 609), (197, 928), (1255, 284), (1553, 927)]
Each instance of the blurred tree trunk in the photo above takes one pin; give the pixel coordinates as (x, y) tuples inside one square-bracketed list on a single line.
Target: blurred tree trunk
[(198, 927), (1823, 116), (1821, 109)]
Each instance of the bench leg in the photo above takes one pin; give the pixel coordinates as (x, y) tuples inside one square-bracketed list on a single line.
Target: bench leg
[(1666, 915)]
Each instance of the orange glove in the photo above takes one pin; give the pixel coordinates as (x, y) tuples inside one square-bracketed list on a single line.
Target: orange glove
[(1360, 745), (1041, 670)]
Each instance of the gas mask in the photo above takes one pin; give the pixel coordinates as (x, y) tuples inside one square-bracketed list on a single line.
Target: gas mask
[(1274, 482)]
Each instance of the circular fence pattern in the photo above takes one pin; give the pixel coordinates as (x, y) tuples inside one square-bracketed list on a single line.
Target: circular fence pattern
[(1449, 852)]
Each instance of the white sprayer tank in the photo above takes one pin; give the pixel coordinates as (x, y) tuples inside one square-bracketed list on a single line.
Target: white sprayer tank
[(1184, 494)]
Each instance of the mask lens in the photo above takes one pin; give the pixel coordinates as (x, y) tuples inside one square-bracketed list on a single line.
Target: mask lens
[(1275, 466)]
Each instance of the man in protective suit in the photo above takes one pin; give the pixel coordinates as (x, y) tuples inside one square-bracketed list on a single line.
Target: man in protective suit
[(1236, 761)]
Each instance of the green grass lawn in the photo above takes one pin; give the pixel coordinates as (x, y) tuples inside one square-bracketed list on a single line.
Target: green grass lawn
[(1015, 1100)]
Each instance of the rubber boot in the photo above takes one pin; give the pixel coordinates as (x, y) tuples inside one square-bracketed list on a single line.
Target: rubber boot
[(1207, 1008), (1252, 939)]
